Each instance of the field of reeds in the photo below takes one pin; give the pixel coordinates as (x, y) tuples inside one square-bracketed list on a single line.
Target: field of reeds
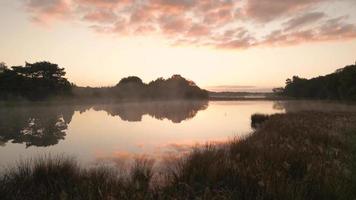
[(308, 155)]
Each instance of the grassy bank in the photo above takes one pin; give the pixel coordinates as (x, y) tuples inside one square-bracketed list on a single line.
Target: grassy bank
[(290, 156)]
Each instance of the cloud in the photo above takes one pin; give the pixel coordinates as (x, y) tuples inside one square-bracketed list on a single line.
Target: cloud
[(108, 4), (268, 10), (330, 30), (173, 24), (228, 24), (101, 16), (172, 5), (197, 30), (45, 11), (302, 20), (239, 38), (220, 16)]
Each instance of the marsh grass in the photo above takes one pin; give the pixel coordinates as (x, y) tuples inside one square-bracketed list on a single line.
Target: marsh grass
[(61, 177), (258, 119), (307, 155), (293, 156)]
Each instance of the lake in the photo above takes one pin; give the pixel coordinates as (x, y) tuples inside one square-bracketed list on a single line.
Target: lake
[(115, 132)]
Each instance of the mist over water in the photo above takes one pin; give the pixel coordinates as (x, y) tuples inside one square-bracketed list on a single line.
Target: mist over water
[(102, 132)]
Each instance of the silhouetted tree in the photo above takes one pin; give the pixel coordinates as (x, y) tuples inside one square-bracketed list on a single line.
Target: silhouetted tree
[(339, 85), (130, 87), (130, 80), (34, 81), (175, 87), (3, 67), (278, 91)]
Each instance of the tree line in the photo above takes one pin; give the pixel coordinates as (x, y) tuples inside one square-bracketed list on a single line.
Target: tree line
[(132, 87), (41, 80), (340, 85), (33, 81)]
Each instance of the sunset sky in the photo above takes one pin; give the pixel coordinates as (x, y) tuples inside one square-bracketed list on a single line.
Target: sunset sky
[(216, 43)]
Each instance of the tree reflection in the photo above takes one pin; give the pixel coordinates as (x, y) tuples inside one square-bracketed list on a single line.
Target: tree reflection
[(314, 105), (175, 111), (34, 126), (46, 125)]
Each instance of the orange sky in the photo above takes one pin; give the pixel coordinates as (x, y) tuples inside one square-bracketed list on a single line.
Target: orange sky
[(213, 42)]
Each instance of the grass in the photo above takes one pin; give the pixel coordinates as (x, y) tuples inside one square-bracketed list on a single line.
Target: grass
[(307, 155), (293, 156), (61, 177), (258, 119)]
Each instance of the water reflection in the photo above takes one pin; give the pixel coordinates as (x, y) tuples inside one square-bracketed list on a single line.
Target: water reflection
[(312, 105), (34, 126), (176, 111), (46, 125), (107, 132)]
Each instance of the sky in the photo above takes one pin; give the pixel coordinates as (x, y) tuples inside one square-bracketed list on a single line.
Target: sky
[(219, 44)]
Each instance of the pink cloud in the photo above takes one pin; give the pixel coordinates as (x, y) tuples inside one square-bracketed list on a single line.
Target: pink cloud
[(219, 17), (268, 10), (145, 29), (101, 16), (218, 23), (331, 30), (302, 20), (173, 24), (45, 11), (141, 15), (198, 30), (103, 3), (172, 6)]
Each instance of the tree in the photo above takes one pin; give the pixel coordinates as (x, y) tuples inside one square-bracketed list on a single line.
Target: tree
[(175, 87), (34, 81), (130, 80), (3, 67), (278, 91), (338, 85), (45, 70)]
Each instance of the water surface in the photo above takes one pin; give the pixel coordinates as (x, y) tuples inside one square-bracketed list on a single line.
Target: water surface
[(94, 133)]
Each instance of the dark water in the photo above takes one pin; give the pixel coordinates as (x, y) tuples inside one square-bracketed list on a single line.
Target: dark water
[(96, 133)]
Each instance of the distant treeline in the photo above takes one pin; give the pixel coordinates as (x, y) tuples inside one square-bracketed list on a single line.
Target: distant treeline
[(340, 85), (41, 80), (132, 87)]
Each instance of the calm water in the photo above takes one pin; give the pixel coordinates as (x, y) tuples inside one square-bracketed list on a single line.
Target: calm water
[(95, 133)]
